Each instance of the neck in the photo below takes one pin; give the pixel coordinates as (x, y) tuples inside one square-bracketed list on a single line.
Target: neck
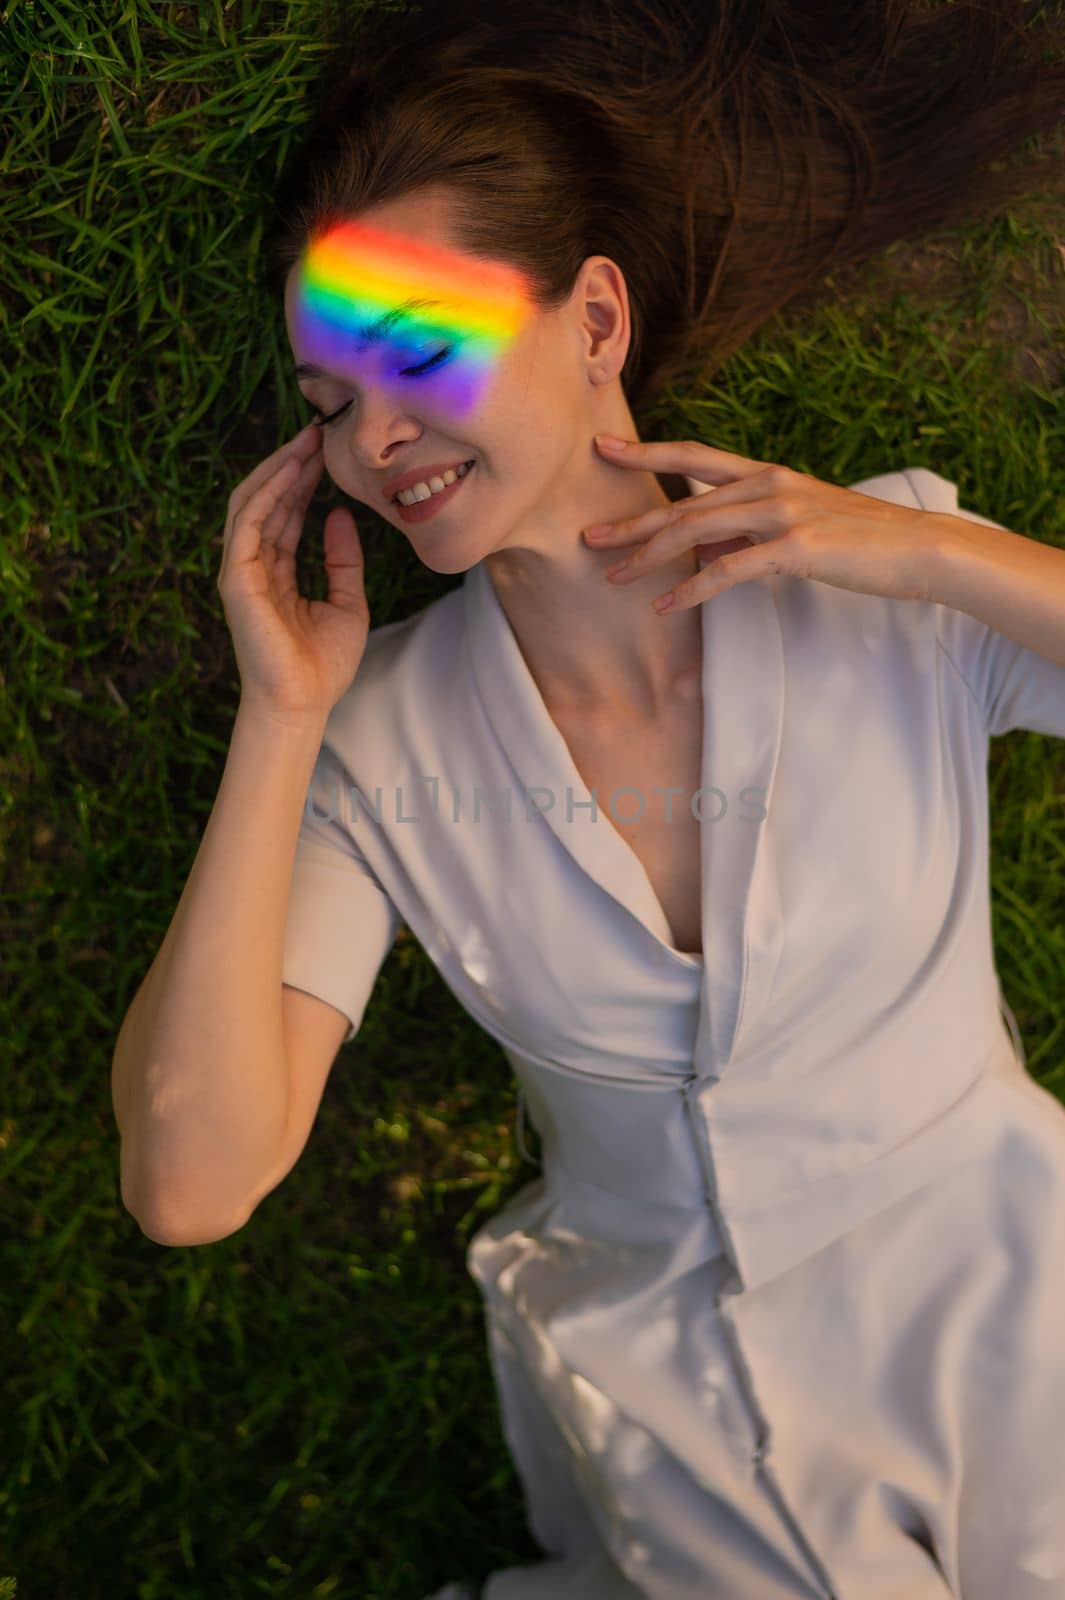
[(593, 647)]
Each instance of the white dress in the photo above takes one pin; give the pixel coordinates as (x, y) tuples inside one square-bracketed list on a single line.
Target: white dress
[(783, 1313)]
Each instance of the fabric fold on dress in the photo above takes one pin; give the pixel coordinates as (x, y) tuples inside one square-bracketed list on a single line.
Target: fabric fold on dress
[(780, 1315)]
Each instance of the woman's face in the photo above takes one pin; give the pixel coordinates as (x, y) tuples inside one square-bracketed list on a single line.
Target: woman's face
[(519, 391)]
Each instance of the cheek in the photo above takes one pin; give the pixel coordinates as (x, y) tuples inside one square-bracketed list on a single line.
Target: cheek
[(336, 462)]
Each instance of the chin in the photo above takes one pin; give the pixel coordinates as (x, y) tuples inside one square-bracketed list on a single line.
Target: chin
[(446, 556)]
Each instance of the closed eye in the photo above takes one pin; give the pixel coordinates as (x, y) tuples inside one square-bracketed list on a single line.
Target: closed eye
[(415, 372), (408, 372)]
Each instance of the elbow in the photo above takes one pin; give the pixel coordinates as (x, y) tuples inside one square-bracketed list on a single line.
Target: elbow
[(166, 1222), (170, 1230)]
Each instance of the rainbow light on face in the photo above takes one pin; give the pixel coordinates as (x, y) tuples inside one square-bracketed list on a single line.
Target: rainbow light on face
[(354, 273)]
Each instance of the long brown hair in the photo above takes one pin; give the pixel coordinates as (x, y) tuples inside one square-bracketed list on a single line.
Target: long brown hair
[(726, 156)]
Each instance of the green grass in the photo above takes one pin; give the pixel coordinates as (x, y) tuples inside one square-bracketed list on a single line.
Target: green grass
[(306, 1409)]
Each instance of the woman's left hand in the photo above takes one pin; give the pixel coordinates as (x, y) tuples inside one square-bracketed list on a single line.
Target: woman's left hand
[(764, 519)]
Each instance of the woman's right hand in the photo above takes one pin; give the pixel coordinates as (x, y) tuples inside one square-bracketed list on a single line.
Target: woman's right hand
[(296, 657)]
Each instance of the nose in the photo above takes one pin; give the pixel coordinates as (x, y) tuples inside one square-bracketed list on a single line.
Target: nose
[(374, 428)]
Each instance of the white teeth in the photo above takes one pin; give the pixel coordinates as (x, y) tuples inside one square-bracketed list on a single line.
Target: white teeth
[(422, 491)]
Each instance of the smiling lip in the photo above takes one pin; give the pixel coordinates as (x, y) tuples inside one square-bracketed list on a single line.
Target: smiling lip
[(422, 510), (407, 480)]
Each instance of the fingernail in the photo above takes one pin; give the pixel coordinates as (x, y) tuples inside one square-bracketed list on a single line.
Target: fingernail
[(597, 529), (610, 441)]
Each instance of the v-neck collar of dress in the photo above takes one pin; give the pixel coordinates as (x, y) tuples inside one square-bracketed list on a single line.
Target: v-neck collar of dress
[(743, 700)]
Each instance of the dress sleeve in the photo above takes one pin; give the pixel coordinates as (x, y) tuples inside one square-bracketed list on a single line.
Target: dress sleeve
[(341, 923), (1013, 686)]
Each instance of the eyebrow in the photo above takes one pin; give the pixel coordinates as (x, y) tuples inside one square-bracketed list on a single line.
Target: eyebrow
[(372, 332)]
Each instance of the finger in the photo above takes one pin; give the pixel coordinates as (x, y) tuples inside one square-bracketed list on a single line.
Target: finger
[(606, 535), (242, 495), (739, 566), (287, 522), (768, 480), (344, 562), (757, 521), (283, 527), (300, 445), (295, 451), (244, 534), (686, 457), (766, 503), (304, 493)]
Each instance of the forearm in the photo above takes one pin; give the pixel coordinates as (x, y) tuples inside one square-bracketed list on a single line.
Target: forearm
[(199, 1078), (1014, 584)]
